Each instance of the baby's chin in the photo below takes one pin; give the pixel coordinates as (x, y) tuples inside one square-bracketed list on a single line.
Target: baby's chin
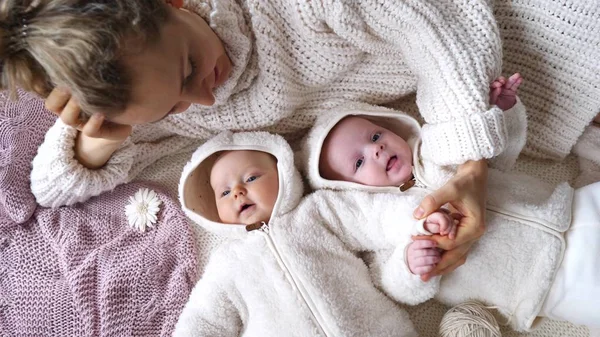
[(400, 179)]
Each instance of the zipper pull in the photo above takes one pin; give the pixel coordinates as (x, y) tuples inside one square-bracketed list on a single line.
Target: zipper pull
[(261, 226), (410, 183), (264, 227)]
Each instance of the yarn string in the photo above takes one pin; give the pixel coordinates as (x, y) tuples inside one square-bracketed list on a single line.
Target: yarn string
[(469, 319)]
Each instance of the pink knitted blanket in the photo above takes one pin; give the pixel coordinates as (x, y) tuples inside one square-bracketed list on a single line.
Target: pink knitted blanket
[(81, 270)]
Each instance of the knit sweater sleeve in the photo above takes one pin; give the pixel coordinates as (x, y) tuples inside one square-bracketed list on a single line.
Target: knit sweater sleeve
[(373, 222), (454, 50), (58, 179)]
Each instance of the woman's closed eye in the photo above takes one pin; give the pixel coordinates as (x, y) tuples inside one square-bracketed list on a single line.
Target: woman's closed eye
[(376, 137), (190, 76)]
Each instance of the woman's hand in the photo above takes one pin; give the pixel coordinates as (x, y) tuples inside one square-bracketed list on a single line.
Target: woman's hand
[(466, 194), (97, 139)]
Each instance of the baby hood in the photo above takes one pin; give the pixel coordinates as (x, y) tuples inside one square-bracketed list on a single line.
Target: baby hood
[(398, 122), (196, 194)]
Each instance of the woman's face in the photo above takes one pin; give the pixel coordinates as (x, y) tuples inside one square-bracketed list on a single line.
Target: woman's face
[(181, 67)]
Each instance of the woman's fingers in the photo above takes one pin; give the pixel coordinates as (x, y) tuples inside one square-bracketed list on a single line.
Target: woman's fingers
[(452, 259), (93, 127), (57, 100), (436, 200), (70, 114), (449, 262), (465, 232)]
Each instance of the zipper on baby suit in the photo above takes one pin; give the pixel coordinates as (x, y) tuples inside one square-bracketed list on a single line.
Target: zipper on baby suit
[(263, 228)]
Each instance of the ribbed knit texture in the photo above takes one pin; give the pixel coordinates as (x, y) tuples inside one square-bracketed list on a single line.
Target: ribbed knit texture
[(22, 127), (82, 271), (555, 45), (293, 60)]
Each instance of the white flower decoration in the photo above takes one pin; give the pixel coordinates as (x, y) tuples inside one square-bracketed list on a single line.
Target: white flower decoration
[(142, 209)]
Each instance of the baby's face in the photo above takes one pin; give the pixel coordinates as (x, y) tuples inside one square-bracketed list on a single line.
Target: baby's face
[(246, 185), (359, 151)]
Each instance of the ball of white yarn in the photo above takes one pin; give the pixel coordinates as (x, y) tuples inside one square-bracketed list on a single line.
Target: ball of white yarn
[(469, 319)]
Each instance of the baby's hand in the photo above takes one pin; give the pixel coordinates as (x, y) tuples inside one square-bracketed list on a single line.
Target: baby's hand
[(442, 223), (422, 256), (503, 93)]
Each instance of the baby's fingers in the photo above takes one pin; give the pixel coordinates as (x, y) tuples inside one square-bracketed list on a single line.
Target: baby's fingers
[(514, 82), (423, 244), (429, 260), (422, 270)]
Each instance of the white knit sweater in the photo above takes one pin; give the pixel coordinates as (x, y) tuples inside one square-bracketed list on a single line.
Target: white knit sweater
[(292, 60), (300, 275), (555, 45)]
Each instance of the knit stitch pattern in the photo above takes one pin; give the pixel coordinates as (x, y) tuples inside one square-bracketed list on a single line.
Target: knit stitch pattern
[(294, 61), (82, 271), (22, 127), (555, 45)]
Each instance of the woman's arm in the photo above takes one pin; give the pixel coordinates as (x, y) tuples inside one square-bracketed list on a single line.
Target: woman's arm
[(466, 193), (71, 165), (453, 49)]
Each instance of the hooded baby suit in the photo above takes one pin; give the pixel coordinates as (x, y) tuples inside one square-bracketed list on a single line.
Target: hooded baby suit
[(300, 274), (514, 263)]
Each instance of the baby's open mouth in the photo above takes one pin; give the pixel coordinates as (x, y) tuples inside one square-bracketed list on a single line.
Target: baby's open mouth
[(391, 163), (245, 207)]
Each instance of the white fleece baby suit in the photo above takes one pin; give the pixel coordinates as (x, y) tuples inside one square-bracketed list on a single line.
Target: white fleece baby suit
[(300, 274), (514, 263)]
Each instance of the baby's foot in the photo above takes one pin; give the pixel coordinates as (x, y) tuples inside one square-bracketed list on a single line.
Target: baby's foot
[(503, 92)]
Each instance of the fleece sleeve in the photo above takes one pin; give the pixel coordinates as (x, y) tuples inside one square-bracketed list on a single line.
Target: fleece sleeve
[(376, 222), (58, 179), (454, 50), (210, 310)]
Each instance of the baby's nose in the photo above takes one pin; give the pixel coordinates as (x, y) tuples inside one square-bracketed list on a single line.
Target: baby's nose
[(238, 191), (377, 149)]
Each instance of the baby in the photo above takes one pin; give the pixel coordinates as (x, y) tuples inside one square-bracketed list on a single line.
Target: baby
[(516, 266), (292, 266), (357, 150)]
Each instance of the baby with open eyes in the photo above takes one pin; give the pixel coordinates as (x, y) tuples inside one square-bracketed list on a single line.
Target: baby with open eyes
[(537, 236), (292, 266)]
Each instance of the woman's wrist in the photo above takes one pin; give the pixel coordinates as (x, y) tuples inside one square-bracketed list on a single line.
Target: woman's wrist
[(93, 153), (477, 168)]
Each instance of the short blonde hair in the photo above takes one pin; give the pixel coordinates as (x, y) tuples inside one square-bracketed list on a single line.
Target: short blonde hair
[(75, 44)]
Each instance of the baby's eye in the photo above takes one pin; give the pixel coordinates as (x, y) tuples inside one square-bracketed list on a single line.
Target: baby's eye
[(375, 137), (358, 164), (251, 179), (225, 193)]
